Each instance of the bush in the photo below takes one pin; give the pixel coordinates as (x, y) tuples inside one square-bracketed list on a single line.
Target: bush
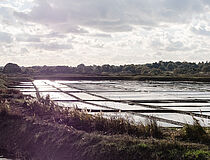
[(197, 154), (11, 68), (195, 133)]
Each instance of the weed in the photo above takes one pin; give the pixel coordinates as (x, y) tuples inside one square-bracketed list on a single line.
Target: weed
[(152, 129), (81, 120), (197, 154), (195, 133), (4, 109)]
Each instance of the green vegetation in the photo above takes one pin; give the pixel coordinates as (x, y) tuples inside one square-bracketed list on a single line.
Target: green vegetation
[(158, 71), (197, 154), (173, 69), (3, 83), (195, 133)]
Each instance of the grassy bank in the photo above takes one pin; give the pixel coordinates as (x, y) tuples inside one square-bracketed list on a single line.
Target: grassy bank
[(34, 139)]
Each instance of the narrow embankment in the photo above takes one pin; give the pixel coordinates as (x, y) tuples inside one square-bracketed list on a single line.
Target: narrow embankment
[(137, 77)]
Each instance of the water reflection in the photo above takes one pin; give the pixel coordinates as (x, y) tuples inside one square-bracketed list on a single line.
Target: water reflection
[(169, 95)]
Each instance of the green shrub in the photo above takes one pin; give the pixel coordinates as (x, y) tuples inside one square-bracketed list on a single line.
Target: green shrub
[(195, 133), (197, 154), (2, 84)]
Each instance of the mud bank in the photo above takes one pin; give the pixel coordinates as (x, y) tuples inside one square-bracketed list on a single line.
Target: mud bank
[(129, 78)]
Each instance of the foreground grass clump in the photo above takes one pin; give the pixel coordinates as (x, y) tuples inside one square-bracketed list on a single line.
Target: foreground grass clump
[(9, 94), (197, 154), (3, 83), (81, 120), (195, 133), (4, 109)]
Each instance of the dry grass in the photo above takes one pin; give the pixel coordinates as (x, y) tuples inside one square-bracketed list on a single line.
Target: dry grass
[(81, 120), (195, 133)]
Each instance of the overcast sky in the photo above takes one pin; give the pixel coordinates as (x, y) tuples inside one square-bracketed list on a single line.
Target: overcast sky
[(70, 32)]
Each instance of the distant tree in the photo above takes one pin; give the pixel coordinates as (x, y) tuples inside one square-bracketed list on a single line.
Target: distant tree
[(11, 68), (155, 72), (138, 69), (157, 68), (81, 68), (62, 69), (206, 68), (170, 67), (106, 68)]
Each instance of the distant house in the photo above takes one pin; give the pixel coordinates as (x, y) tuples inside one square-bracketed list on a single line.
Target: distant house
[(11, 68)]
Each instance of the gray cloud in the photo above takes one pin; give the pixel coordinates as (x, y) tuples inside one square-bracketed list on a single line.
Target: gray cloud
[(184, 6), (6, 16), (53, 35), (201, 31), (207, 2), (24, 51), (52, 46), (5, 37), (27, 38), (179, 46), (109, 15), (102, 35)]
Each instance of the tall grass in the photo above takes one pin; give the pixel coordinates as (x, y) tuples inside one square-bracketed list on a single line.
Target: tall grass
[(81, 120), (195, 133), (4, 109), (2, 84)]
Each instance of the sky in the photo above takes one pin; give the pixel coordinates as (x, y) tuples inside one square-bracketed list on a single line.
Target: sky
[(71, 32)]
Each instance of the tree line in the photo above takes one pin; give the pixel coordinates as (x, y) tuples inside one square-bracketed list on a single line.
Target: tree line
[(150, 69)]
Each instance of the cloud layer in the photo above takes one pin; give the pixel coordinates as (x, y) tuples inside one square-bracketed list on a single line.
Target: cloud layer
[(71, 32)]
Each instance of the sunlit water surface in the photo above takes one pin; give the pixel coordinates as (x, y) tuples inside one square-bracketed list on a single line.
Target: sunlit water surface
[(100, 96)]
